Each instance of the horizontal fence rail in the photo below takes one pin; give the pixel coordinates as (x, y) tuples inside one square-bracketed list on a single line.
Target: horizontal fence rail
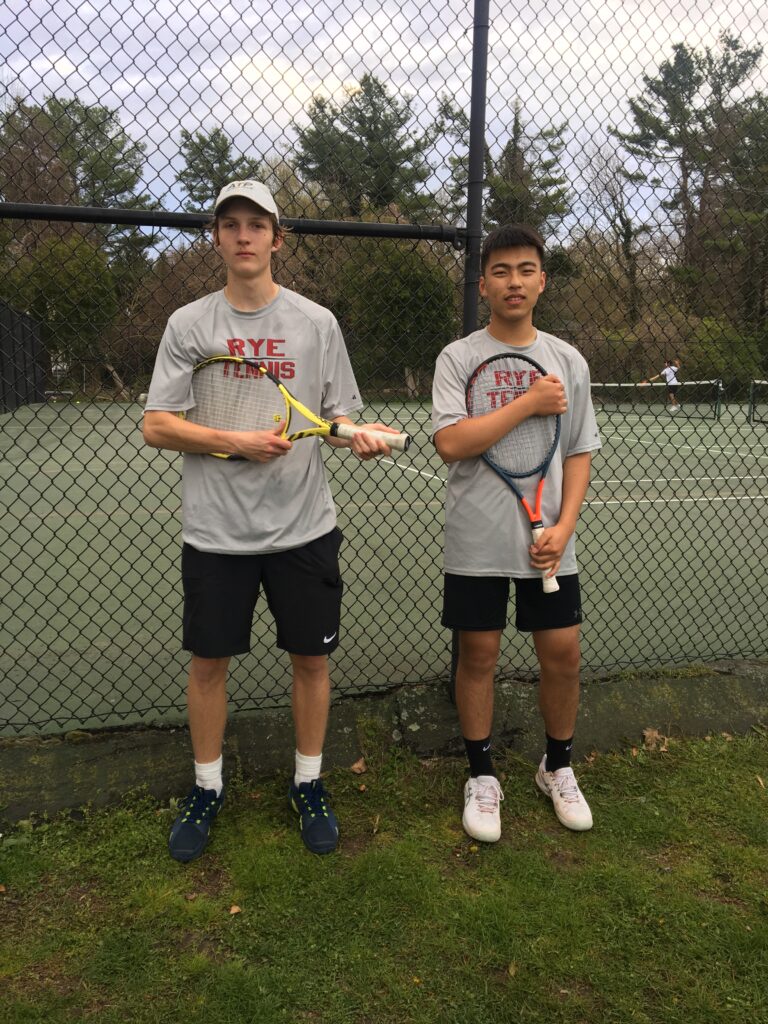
[(141, 218)]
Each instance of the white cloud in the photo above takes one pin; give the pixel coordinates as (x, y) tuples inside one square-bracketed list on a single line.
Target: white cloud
[(278, 84)]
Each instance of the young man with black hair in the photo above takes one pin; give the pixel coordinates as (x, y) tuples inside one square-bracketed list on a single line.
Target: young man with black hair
[(265, 521), (487, 533)]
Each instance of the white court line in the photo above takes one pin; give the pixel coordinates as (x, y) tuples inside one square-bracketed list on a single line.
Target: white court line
[(673, 501), (630, 441), (627, 482), (410, 469), (634, 481)]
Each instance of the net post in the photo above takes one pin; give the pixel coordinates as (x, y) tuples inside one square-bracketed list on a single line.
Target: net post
[(754, 414)]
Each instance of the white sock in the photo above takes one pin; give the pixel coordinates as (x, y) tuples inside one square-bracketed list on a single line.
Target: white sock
[(307, 768), (208, 776)]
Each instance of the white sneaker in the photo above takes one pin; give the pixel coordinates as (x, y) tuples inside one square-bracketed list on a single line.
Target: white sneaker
[(482, 813), (561, 787)]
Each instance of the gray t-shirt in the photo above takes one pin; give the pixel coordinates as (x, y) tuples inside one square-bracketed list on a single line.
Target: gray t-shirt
[(242, 507), (487, 532)]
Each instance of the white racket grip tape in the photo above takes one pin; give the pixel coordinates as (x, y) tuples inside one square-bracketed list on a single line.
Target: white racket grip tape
[(549, 583), (398, 442)]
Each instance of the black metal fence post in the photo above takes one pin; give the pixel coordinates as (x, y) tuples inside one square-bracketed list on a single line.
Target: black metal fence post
[(476, 163)]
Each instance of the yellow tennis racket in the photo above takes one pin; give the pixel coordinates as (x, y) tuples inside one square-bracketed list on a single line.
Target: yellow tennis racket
[(233, 393)]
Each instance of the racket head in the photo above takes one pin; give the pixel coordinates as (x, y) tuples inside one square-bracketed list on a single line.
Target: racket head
[(232, 393), (528, 448), (235, 393)]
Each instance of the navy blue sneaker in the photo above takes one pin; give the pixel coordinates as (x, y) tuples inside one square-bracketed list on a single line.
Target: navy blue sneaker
[(190, 831), (319, 828)]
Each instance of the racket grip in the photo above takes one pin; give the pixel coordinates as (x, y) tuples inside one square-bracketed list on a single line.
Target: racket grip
[(398, 442), (549, 583)]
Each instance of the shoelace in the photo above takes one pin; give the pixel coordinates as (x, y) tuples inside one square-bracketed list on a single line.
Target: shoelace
[(567, 786), (197, 805), (488, 795), (313, 798)]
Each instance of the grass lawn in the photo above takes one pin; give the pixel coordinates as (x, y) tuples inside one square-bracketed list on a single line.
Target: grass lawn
[(658, 915)]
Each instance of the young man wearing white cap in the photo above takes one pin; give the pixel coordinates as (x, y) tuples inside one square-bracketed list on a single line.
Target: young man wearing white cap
[(238, 535)]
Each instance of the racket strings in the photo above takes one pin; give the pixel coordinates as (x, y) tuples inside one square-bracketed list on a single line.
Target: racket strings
[(525, 449), (224, 401)]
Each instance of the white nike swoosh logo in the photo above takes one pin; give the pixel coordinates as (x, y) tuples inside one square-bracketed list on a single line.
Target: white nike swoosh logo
[(487, 748), (327, 639)]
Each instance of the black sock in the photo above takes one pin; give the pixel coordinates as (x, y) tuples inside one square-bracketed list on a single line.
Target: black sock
[(479, 757), (558, 753)]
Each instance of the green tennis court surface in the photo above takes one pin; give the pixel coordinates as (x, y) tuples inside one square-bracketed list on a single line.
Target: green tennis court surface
[(672, 541)]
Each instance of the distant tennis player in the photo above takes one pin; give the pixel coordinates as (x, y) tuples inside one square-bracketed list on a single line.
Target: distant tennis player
[(266, 521), (669, 373)]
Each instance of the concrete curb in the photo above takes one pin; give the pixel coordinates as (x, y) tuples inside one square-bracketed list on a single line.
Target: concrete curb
[(50, 774)]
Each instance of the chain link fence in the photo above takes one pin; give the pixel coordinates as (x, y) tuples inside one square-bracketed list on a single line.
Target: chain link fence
[(634, 138)]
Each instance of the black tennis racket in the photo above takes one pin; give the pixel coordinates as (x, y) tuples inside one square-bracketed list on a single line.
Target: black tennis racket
[(526, 451), (232, 393)]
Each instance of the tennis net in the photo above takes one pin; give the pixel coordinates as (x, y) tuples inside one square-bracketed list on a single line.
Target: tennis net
[(698, 399), (758, 401)]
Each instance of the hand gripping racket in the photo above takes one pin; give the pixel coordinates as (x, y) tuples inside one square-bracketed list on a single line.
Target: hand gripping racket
[(527, 450), (232, 393)]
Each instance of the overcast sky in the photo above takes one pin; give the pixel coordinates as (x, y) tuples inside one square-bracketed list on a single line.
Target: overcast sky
[(252, 67)]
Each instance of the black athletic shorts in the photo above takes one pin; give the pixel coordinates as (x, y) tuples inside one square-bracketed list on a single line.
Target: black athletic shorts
[(480, 603), (672, 389), (303, 588)]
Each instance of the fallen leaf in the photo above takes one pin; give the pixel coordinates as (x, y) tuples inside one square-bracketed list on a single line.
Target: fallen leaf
[(512, 969), (760, 781), (654, 740), (376, 823), (726, 736), (359, 767), (190, 897), (234, 909), (634, 751), (362, 787), (2, 888)]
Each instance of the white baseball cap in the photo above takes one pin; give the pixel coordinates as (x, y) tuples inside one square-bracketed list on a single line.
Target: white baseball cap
[(253, 190)]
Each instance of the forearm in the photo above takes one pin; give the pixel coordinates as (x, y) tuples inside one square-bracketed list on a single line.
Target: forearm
[(475, 435), (172, 432), (169, 431), (576, 471)]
